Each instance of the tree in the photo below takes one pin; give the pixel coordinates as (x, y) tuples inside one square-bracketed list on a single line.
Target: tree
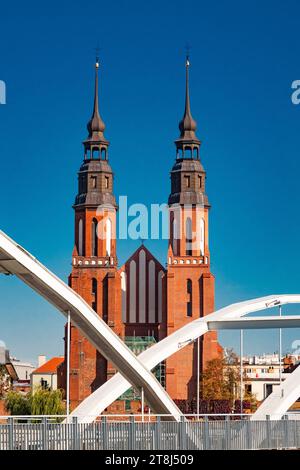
[(17, 404), (221, 380), (4, 381), (46, 402), (41, 402)]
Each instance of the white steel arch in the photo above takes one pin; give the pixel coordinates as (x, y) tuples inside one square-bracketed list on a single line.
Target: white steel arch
[(228, 317), (136, 371), (16, 260), (281, 399)]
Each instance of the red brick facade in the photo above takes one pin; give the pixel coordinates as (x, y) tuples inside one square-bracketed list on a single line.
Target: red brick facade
[(142, 298)]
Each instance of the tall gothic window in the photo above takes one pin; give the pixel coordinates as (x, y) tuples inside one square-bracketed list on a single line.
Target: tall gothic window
[(175, 236), (188, 237), (108, 237), (94, 238), (94, 294), (189, 305), (105, 299), (80, 238), (202, 236)]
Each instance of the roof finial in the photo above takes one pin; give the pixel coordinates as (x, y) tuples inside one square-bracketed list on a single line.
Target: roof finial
[(187, 55), (187, 125), (97, 64), (96, 124)]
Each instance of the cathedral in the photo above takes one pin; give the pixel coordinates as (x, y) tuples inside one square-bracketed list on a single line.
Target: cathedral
[(142, 301)]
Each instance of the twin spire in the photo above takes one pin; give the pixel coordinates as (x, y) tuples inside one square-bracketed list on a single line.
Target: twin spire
[(187, 126)]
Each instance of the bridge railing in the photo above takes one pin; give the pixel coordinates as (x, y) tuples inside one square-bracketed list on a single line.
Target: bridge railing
[(211, 432)]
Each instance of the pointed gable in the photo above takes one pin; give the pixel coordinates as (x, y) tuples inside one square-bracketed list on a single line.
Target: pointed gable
[(142, 288)]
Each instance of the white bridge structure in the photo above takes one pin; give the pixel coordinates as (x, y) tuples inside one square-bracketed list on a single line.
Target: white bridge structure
[(136, 370)]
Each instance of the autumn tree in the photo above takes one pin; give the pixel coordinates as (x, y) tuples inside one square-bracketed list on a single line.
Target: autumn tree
[(221, 380)]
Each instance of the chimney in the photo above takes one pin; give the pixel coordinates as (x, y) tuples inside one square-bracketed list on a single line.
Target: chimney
[(41, 360)]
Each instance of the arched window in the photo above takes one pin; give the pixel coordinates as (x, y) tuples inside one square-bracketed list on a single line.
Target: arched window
[(202, 236), (80, 237), (188, 237), (105, 299), (94, 294), (195, 152), (188, 153), (108, 237), (103, 154), (179, 154), (94, 238), (96, 153), (189, 305), (175, 236)]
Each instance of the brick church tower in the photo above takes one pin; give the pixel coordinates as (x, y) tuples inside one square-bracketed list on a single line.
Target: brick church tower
[(142, 301), (190, 284), (94, 273)]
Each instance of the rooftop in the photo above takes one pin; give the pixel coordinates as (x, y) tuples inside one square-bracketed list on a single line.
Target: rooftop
[(50, 367)]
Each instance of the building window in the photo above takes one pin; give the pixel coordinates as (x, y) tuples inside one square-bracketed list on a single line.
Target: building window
[(199, 181), (188, 237), (96, 153), (108, 237), (105, 299), (188, 153), (202, 236), (94, 294), (179, 154), (269, 389), (80, 238), (106, 182), (189, 305), (187, 180), (94, 238), (44, 384), (94, 182), (175, 236)]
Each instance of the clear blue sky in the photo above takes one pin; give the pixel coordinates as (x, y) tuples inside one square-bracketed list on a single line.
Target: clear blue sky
[(244, 58)]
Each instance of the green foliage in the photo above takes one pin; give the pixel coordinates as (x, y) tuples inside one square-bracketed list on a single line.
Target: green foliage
[(17, 404), (46, 402), (41, 402)]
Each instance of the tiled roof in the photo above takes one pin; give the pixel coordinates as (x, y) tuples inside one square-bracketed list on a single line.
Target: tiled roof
[(50, 367)]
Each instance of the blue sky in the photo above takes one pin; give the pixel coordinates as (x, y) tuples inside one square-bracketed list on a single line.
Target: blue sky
[(244, 57)]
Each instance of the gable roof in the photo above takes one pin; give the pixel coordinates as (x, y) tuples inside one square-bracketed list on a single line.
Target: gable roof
[(150, 256), (50, 367)]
